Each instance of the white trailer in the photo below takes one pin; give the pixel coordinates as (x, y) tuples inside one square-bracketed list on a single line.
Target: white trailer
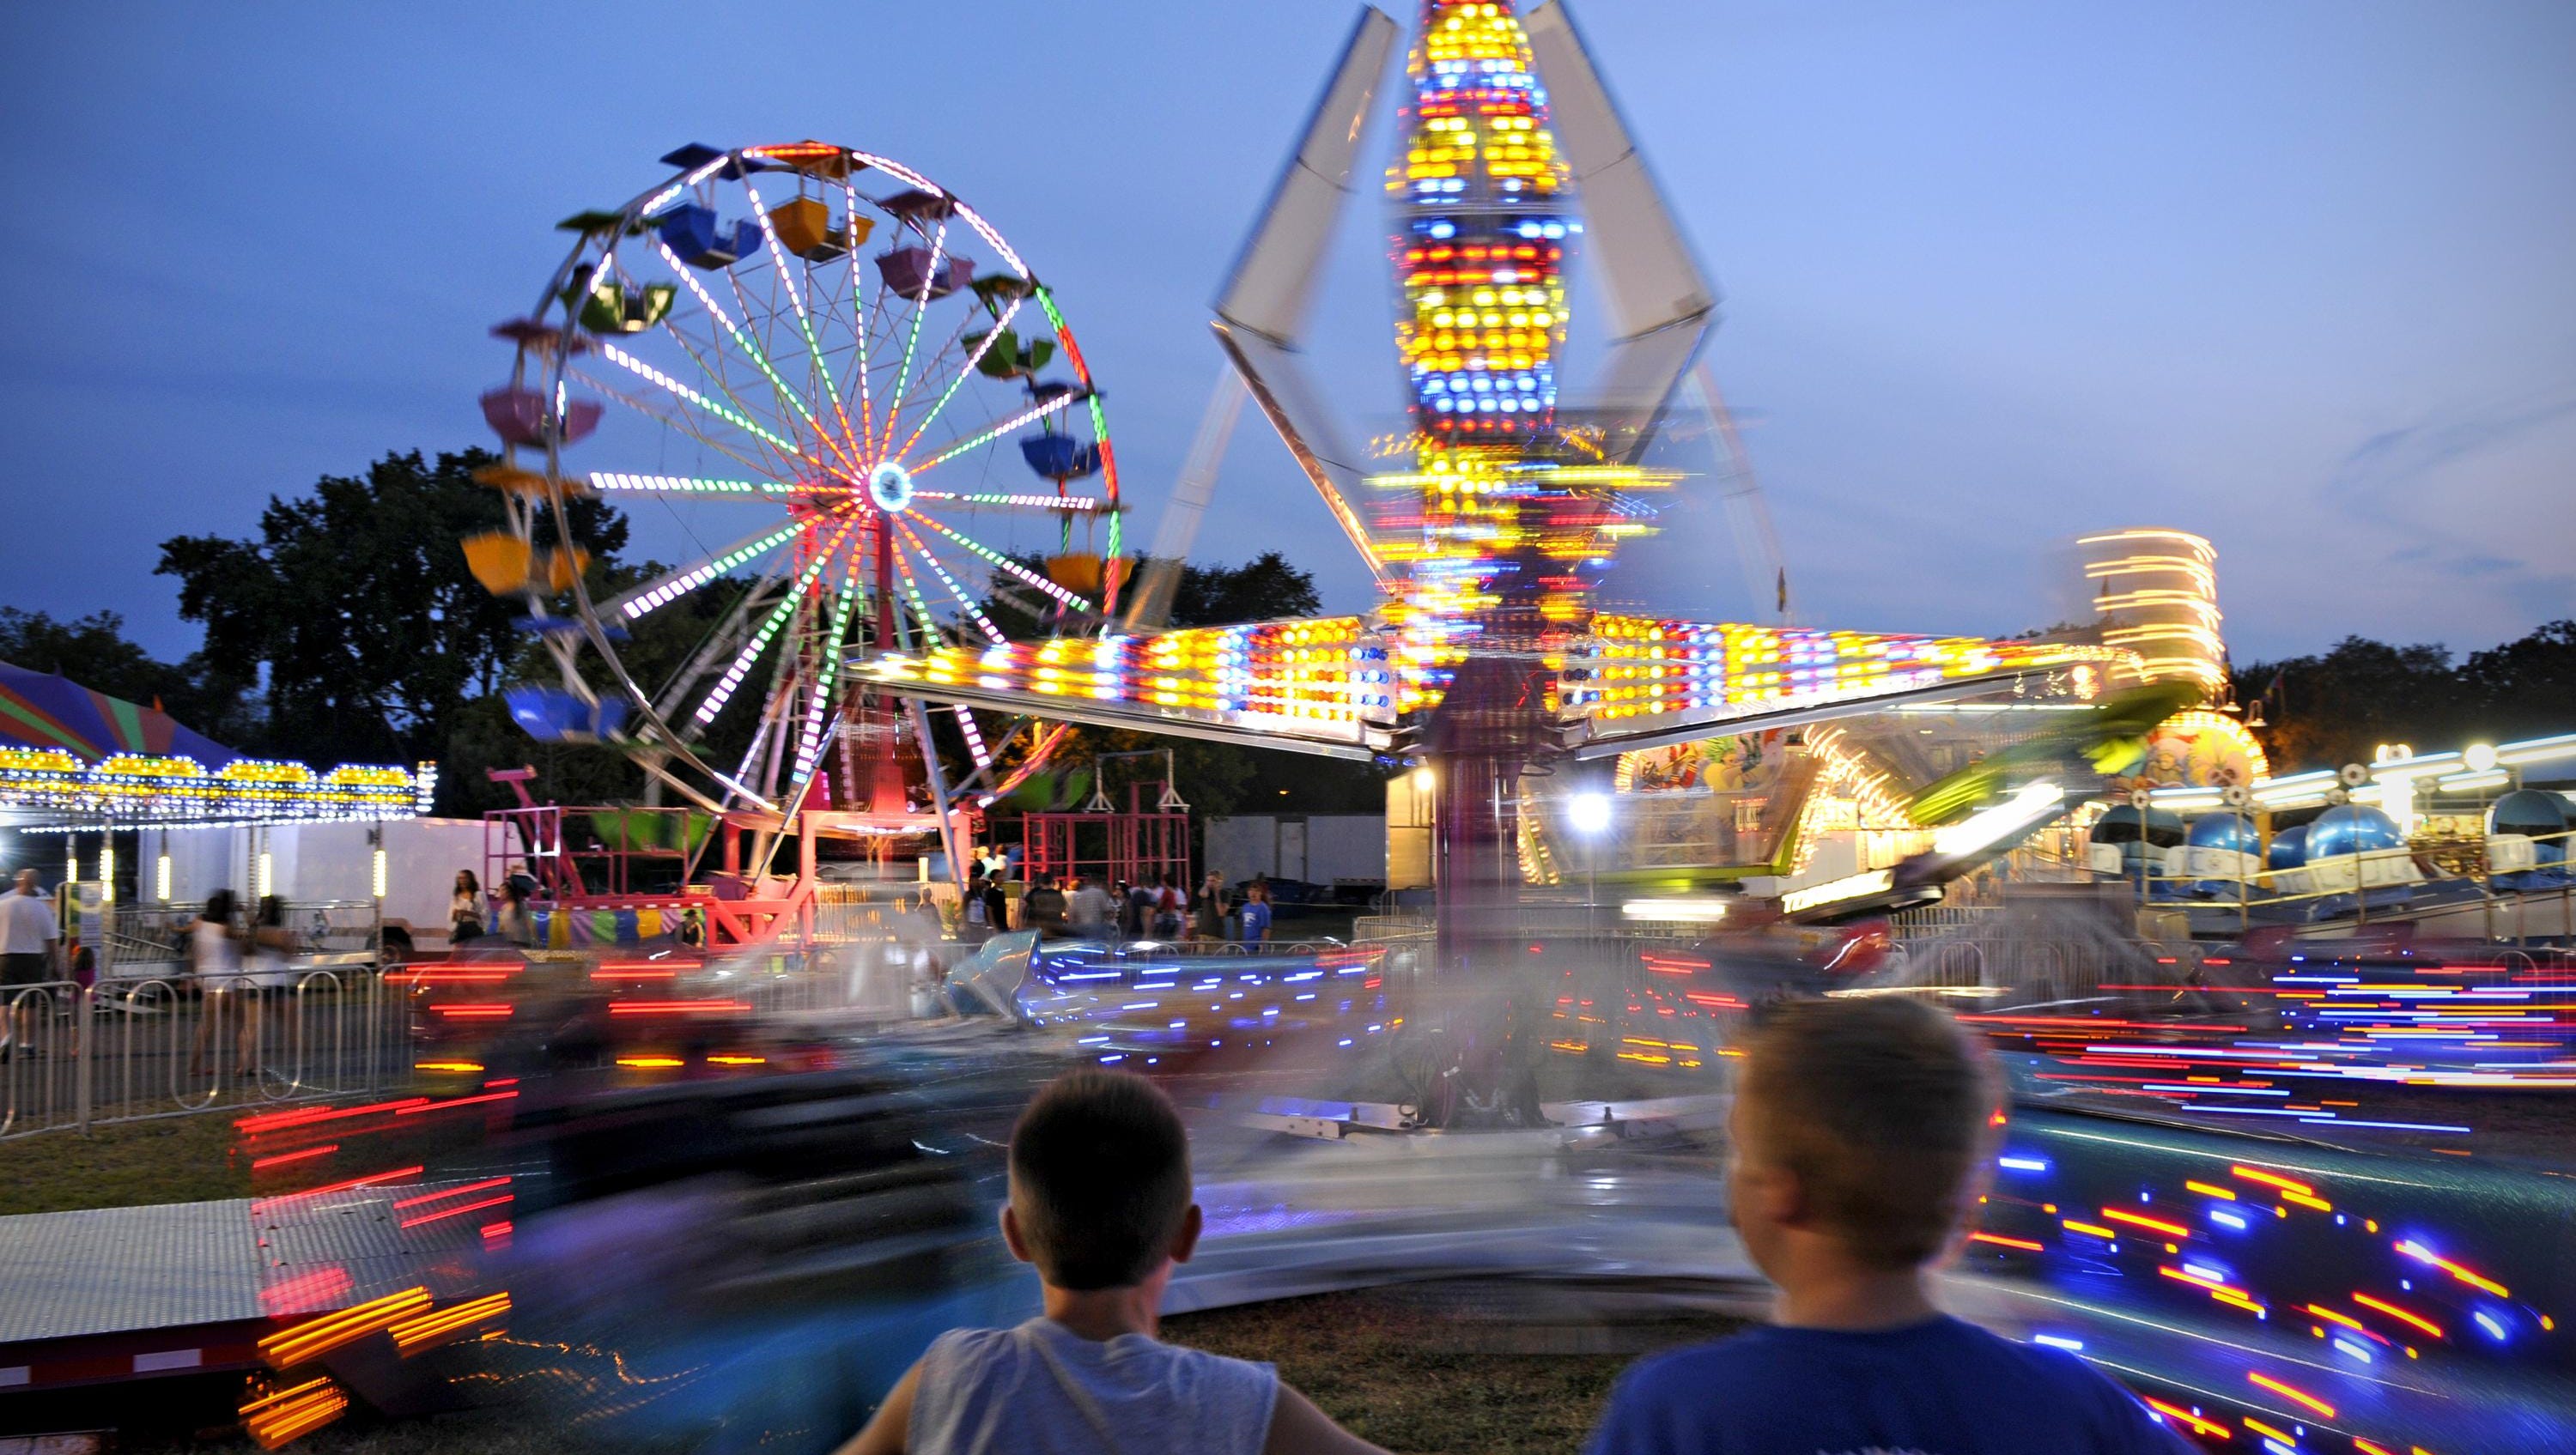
[(1338, 850), (316, 863)]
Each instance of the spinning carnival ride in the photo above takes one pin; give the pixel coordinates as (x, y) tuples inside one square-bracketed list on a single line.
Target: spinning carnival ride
[(854, 360), (1487, 654)]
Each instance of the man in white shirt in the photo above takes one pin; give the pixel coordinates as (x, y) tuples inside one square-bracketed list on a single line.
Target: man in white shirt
[(28, 933), (1089, 910), (27, 936)]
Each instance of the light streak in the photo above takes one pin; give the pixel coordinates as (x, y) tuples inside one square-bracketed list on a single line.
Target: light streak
[(330, 1331), (445, 1213), (276, 1418), (283, 1158), (2193, 1422), (2290, 1392), (2122, 1215), (2422, 1254), (2402, 1315), (414, 1333)]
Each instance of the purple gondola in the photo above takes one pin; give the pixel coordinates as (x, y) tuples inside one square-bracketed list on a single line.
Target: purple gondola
[(520, 417), (907, 270)]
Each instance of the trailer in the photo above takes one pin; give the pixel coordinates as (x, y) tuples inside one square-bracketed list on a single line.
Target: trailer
[(407, 866)]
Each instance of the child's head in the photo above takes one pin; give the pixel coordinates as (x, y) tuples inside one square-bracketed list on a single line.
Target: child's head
[(1858, 1127), (1100, 1182)]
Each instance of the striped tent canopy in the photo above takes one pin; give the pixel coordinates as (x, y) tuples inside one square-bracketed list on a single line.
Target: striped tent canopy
[(48, 710)]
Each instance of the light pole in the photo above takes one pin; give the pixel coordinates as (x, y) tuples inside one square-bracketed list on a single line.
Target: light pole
[(1588, 814)]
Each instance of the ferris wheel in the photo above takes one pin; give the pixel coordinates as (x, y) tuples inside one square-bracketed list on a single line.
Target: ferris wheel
[(874, 426)]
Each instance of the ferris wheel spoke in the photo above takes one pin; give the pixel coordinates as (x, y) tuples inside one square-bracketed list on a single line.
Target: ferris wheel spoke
[(796, 297), (751, 348), (930, 626), (743, 422), (861, 321), (1030, 415), (743, 661), (721, 639), (694, 487), (759, 321), (810, 744), (1004, 500), (964, 598), (934, 368), (965, 371), (677, 420), (1007, 564), (665, 589), (912, 341), (710, 359)]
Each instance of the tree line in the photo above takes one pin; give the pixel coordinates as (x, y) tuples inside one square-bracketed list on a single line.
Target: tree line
[(2337, 706), (347, 629)]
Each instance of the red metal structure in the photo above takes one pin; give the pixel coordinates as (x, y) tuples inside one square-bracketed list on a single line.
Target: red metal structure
[(1138, 846)]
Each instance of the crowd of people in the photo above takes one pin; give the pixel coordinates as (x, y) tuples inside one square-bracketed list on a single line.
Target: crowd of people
[(1855, 1146), (1093, 907)]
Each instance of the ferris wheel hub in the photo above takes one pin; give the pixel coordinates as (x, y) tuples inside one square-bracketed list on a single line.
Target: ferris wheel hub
[(890, 486)]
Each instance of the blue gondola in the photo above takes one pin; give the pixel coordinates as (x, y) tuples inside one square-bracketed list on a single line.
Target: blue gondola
[(1060, 456), (693, 233), (552, 715)]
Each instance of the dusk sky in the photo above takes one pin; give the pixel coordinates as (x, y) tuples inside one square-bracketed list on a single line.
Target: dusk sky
[(2295, 275)]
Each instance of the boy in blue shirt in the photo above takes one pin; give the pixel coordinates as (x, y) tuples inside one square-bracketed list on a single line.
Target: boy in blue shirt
[(1858, 1127)]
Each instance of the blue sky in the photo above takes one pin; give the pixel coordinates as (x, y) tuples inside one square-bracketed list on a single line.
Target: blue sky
[(2292, 274)]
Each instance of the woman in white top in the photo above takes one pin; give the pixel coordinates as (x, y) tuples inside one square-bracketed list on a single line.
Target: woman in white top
[(214, 958)]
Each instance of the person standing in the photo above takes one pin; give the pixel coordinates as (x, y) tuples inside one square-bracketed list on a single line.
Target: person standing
[(1207, 909), (465, 910), (1167, 910), (1089, 910), (1256, 913), (29, 929), (214, 957), (29, 932), (997, 905), (974, 916), (1042, 908), (516, 924)]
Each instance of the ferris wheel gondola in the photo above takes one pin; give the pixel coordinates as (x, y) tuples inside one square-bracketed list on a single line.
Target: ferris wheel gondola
[(856, 360)]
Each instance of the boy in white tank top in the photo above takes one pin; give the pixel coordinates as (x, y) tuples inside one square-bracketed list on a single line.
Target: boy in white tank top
[(1100, 1202)]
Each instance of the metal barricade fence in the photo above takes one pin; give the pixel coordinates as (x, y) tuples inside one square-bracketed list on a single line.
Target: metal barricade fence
[(170, 1045)]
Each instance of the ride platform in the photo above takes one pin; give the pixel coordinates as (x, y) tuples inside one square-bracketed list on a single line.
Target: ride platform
[(108, 1294)]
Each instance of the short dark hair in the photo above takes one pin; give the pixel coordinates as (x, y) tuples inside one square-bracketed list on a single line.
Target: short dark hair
[(1100, 1178), (1880, 1106)]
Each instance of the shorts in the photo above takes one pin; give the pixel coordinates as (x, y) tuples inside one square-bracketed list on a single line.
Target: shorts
[(23, 969)]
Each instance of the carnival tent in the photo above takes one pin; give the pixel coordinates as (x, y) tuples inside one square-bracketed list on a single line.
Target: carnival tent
[(49, 710)]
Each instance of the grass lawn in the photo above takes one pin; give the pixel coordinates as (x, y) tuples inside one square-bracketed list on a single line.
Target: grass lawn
[(128, 1164), (1446, 1368)]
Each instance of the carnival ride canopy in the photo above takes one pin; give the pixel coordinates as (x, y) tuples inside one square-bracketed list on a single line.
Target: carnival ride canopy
[(73, 757), (49, 710)]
